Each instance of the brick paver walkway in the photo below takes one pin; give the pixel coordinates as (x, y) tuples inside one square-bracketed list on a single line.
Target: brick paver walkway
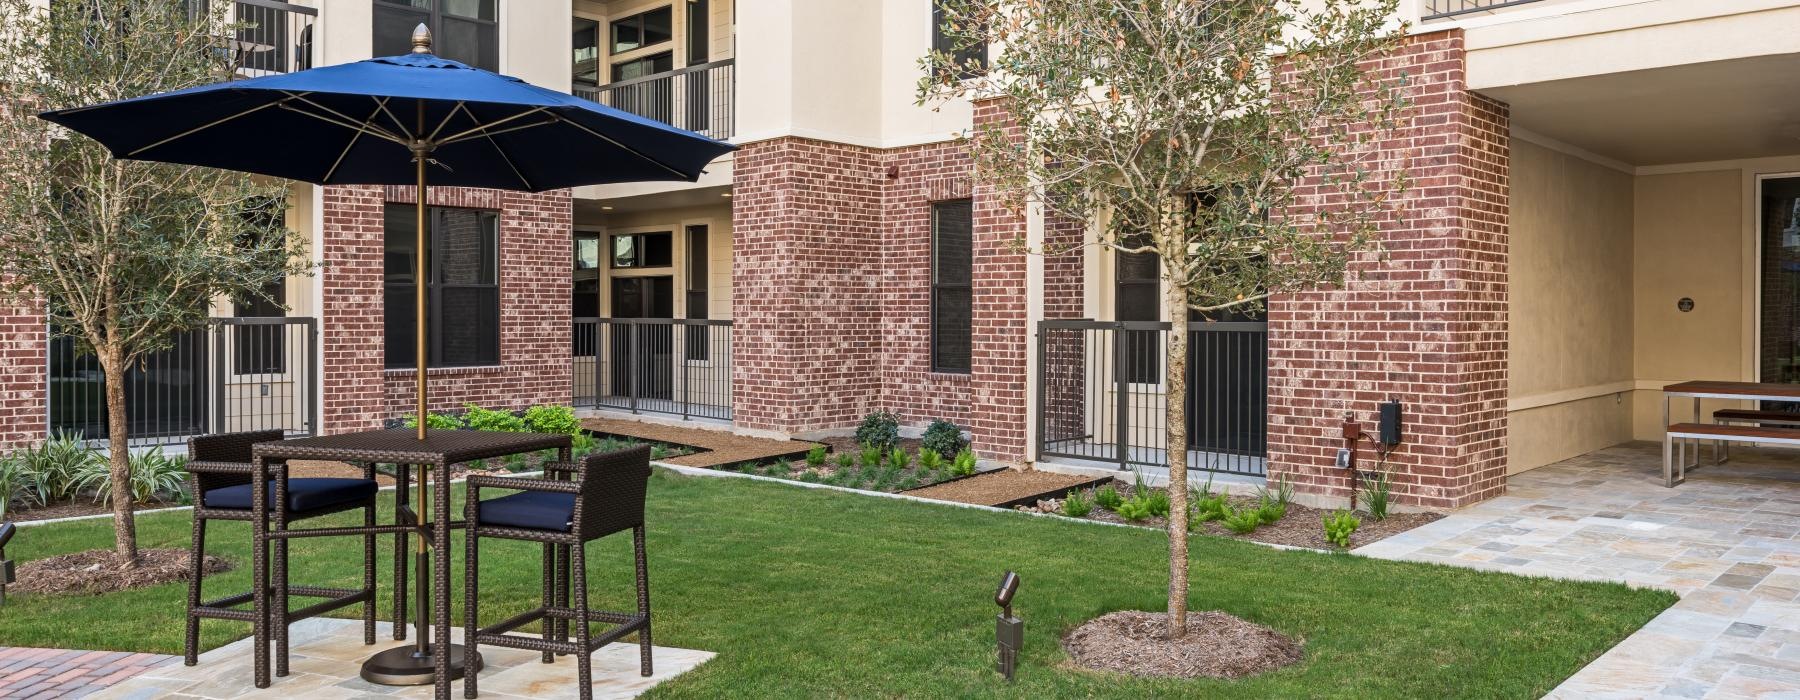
[(66, 673)]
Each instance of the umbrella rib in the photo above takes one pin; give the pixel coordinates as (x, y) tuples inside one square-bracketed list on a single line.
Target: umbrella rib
[(460, 106), (462, 135), (354, 137), (491, 134), (206, 126), (344, 120), (628, 149), (509, 163), (391, 117)]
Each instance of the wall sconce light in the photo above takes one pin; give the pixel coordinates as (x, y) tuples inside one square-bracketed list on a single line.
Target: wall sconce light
[(1009, 631)]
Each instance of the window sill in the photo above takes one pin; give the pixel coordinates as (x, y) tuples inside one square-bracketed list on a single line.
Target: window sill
[(952, 377), (444, 371)]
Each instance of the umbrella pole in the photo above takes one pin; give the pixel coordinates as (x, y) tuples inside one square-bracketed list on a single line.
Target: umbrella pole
[(419, 331)]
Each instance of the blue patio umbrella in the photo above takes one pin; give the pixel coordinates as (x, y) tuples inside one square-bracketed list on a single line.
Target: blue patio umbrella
[(398, 120)]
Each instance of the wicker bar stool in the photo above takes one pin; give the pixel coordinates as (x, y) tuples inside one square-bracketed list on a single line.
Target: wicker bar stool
[(220, 472), (573, 505)]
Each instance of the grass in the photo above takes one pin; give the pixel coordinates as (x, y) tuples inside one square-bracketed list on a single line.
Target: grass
[(815, 593)]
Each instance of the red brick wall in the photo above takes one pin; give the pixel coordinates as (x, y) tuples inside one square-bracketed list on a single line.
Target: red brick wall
[(535, 332), (997, 414), (1428, 325), (24, 347), (806, 309), (924, 174)]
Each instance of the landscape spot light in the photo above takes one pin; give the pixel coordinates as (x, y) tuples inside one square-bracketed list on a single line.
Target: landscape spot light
[(1009, 631)]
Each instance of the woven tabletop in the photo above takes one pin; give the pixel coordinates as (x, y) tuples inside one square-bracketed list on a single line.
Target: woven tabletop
[(402, 446)]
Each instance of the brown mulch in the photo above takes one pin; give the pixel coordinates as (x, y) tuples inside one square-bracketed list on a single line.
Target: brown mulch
[(73, 507), (845, 444), (98, 571), (1303, 526), (999, 486), (1217, 645)]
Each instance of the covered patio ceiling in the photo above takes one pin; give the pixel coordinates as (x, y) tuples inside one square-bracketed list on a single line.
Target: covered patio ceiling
[(1719, 110)]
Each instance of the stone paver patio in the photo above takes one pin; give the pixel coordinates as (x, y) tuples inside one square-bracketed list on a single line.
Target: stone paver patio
[(1727, 541), (66, 673), (327, 654)]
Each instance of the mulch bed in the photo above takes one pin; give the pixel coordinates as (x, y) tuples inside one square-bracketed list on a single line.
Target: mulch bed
[(845, 444), (1217, 645), (1301, 527), (999, 486), (73, 507), (98, 571)]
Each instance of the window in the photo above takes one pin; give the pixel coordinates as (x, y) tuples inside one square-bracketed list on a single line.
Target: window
[(974, 58), (952, 266), (648, 65), (462, 283), (697, 336), (586, 44), (636, 250), (699, 16), (1137, 296), (643, 29), (461, 30)]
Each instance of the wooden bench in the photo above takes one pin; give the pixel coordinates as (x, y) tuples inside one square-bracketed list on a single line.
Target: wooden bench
[(1724, 416), (1675, 470)]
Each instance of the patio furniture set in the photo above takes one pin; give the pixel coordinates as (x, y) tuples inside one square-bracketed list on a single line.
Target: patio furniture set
[(1758, 426), (569, 505)]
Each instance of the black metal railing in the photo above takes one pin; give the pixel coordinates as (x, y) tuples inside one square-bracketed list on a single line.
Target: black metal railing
[(233, 374), (658, 365), (700, 98), (1101, 399), (270, 37), (1445, 9)]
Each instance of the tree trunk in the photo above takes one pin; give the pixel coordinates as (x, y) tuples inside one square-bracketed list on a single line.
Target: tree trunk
[(1175, 391), (112, 363)]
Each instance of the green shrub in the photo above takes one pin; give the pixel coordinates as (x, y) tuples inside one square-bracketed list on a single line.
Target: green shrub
[(1210, 507), (870, 457), (1242, 522), (1108, 497), (881, 429), (478, 418), (1271, 512), (659, 451), (1375, 494), (1339, 526), (809, 476), (1076, 504), (582, 444), (899, 459), (18, 484), (930, 460), (56, 462), (152, 473), (1134, 509), (910, 482), (815, 457), (780, 469), (556, 420), (845, 460), (435, 421), (1158, 502), (943, 437), (963, 464)]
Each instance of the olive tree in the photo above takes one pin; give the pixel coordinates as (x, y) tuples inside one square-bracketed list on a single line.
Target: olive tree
[(1237, 140), (123, 255)]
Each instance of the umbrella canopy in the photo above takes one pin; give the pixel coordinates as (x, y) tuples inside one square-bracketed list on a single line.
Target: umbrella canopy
[(357, 123), (399, 120)]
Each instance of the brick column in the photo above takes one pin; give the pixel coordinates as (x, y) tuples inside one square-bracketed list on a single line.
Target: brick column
[(1427, 326), (806, 306), (350, 313), (997, 377), (24, 353)]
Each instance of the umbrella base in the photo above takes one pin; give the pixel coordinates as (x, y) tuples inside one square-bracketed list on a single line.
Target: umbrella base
[(406, 666)]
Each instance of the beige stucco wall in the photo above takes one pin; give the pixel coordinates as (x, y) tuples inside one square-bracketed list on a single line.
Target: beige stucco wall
[(1690, 243), (717, 219), (1570, 349)]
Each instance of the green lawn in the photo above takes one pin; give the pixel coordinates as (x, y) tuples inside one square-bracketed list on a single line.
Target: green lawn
[(814, 593)]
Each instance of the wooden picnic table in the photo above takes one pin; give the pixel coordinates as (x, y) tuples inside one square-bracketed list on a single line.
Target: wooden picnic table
[(1675, 461)]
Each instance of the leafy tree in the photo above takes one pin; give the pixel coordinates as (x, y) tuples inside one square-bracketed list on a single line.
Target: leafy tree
[(1197, 130), (123, 255)]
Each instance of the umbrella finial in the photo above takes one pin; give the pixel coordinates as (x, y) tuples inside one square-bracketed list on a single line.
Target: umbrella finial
[(421, 39)]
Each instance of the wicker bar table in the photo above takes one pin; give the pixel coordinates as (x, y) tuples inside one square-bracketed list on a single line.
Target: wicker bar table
[(432, 659)]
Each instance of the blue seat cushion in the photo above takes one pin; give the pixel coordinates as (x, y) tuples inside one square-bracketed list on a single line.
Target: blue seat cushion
[(303, 494), (531, 510)]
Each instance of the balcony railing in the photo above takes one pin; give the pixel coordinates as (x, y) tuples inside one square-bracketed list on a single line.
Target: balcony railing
[(659, 365), (698, 98), (271, 36), (1445, 9), (231, 374), (1101, 400)]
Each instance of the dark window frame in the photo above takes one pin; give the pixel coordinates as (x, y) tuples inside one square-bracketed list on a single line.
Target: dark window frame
[(598, 59), (433, 18), (696, 296), (943, 43), (612, 42), (938, 363), (489, 354), (611, 256)]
